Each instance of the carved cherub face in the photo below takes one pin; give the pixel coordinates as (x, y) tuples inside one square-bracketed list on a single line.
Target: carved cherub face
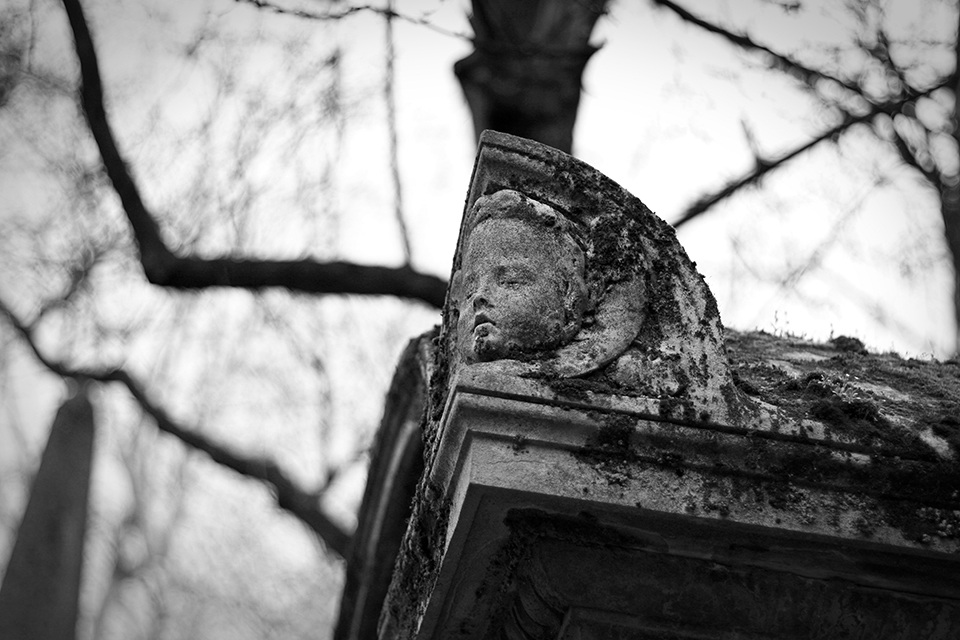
[(521, 281)]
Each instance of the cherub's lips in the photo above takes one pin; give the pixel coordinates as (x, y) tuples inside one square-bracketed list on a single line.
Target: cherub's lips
[(482, 318)]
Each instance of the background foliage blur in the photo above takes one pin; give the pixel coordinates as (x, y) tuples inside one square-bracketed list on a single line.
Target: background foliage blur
[(267, 134)]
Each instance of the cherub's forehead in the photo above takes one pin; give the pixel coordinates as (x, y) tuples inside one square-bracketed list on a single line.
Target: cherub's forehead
[(508, 232), (511, 243)]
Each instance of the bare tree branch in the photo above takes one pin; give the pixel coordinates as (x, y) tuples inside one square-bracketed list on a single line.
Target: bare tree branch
[(778, 61), (300, 503), (763, 168), (948, 186), (880, 51), (162, 267), (910, 158), (351, 10)]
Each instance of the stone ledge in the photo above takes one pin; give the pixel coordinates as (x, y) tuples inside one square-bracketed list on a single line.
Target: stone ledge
[(527, 474)]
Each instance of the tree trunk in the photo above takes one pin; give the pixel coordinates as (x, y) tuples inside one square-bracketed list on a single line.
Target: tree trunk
[(524, 76)]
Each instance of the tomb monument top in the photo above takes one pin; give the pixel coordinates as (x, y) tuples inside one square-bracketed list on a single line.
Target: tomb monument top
[(571, 454), (562, 275)]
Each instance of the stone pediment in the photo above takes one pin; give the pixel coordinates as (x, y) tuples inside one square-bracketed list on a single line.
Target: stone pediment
[(648, 326), (611, 482)]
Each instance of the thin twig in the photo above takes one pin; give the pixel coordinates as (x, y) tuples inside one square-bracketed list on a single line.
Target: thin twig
[(300, 503), (779, 61), (881, 53), (353, 10), (761, 169), (910, 158), (390, 99)]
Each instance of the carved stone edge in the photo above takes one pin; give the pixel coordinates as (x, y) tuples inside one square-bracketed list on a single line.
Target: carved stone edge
[(395, 468), (688, 321), (520, 428), (525, 421)]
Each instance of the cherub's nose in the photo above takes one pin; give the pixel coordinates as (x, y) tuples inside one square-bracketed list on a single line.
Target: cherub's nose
[(480, 301), (481, 298)]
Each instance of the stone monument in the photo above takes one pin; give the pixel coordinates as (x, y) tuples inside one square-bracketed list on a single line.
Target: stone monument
[(571, 455)]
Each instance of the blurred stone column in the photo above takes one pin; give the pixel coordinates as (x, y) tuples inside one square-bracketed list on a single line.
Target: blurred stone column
[(41, 585)]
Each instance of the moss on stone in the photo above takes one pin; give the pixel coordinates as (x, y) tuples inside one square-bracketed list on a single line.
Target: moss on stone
[(879, 400)]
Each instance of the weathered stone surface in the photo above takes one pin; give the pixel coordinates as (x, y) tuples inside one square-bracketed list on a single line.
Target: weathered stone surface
[(521, 290), (395, 467), (771, 533), (837, 523), (613, 474), (645, 326), (898, 407)]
